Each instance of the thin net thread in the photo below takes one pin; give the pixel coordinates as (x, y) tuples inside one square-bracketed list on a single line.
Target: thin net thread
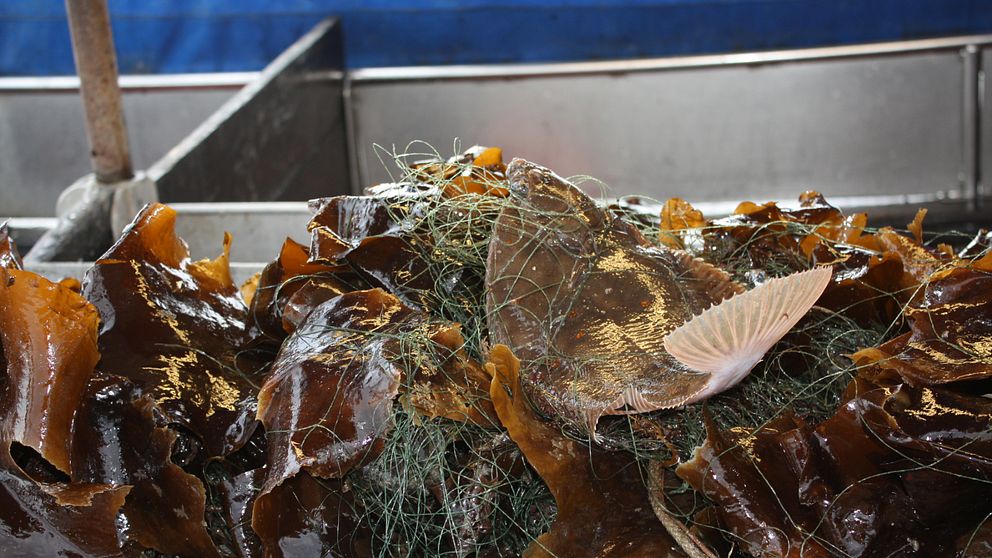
[(416, 495)]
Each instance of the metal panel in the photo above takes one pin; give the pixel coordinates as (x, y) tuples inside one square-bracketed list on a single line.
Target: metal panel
[(282, 137), (259, 229), (43, 138), (862, 125)]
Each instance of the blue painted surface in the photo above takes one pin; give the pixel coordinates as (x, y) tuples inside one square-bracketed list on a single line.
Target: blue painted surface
[(170, 36)]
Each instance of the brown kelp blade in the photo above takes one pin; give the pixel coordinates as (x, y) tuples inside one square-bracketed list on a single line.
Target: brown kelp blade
[(49, 338), (603, 505), (76, 442), (896, 467), (33, 523), (174, 326), (950, 337), (307, 516), (121, 437), (326, 403)]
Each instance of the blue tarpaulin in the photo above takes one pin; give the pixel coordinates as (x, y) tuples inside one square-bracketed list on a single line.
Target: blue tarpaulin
[(177, 36)]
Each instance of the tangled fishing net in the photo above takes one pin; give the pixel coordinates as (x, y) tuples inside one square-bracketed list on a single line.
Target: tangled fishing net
[(390, 424)]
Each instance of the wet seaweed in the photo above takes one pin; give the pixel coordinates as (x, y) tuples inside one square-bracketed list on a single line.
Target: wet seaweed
[(453, 487), (805, 374), (401, 490)]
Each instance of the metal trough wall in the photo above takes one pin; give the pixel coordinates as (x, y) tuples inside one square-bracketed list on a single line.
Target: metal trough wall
[(885, 124), (43, 145), (282, 137), (888, 127)]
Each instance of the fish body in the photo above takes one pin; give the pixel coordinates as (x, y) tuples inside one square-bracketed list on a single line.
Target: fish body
[(587, 302)]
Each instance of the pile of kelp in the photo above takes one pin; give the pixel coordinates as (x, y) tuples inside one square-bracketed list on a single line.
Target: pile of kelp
[(349, 401)]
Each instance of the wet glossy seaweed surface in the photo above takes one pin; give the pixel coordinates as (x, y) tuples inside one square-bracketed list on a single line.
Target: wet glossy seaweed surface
[(335, 405)]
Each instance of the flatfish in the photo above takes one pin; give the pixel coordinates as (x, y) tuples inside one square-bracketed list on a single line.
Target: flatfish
[(605, 322)]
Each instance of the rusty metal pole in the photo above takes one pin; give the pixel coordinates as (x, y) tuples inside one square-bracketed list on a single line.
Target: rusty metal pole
[(85, 230), (96, 64)]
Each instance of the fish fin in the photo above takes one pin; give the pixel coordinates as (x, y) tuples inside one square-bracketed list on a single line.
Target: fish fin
[(592, 417), (679, 388), (630, 402), (633, 398), (728, 339), (712, 280)]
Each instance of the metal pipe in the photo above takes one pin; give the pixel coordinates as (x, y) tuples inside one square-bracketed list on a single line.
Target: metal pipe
[(972, 125), (96, 64), (355, 174), (138, 83), (621, 67)]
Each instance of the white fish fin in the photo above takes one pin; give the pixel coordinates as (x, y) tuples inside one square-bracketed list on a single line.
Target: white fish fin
[(592, 417), (712, 280), (679, 389), (630, 403), (728, 339)]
